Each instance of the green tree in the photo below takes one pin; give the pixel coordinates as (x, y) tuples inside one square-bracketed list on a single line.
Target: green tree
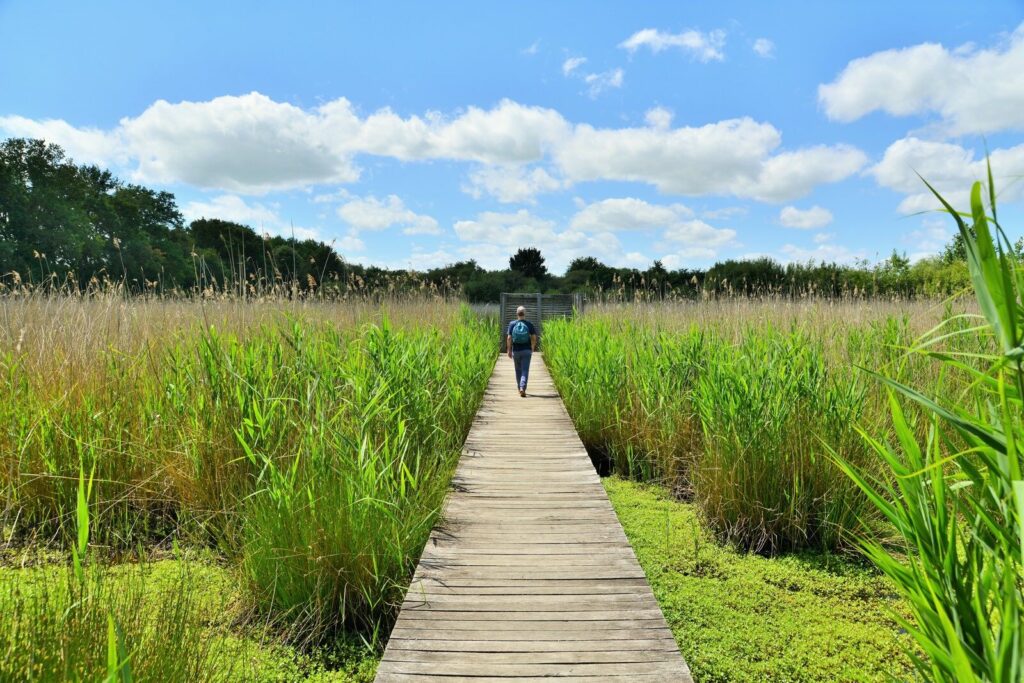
[(529, 262), (46, 229)]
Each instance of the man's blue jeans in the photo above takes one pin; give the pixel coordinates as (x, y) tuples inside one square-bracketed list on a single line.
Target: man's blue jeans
[(521, 359)]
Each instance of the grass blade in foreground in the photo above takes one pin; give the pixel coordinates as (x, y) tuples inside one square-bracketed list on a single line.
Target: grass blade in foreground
[(958, 499)]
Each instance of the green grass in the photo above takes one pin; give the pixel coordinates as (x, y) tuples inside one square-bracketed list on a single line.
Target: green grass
[(806, 617)]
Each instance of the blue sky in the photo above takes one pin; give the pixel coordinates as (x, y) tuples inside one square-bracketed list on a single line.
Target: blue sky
[(418, 134)]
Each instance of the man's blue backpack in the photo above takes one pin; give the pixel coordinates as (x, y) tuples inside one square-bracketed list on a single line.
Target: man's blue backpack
[(520, 333)]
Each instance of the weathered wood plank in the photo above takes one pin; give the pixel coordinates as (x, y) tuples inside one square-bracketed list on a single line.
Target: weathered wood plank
[(531, 605), (553, 552), (456, 667), (385, 677), (608, 637), (618, 644), (422, 591), (485, 659), (529, 576)]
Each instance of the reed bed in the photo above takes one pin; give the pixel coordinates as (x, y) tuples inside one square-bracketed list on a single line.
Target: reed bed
[(816, 431), (738, 403), (308, 443)]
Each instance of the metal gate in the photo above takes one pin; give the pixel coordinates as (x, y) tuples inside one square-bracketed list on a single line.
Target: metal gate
[(539, 307)]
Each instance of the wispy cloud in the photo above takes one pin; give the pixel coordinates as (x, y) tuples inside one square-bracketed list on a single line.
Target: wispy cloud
[(571, 64), (598, 83), (704, 47), (532, 49), (764, 48)]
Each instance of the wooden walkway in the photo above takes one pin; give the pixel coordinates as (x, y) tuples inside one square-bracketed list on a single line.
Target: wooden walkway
[(530, 575)]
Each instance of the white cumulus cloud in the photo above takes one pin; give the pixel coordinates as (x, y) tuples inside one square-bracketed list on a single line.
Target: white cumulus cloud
[(84, 145), (508, 133), (805, 219), (688, 258), (789, 175), (659, 118), (370, 213), (350, 244), (697, 234), (690, 238), (511, 184), (230, 207), (492, 237), (704, 47), (259, 217), (727, 157), (250, 144), (519, 228), (627, 213), (972, 90), (928, 240), (949, 168)]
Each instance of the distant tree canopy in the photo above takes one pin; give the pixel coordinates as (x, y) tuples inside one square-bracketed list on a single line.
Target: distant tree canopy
[(56, 217), (529, 262), (76, 225)]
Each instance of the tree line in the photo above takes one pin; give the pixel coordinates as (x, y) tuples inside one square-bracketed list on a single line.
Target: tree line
[(68, 225)]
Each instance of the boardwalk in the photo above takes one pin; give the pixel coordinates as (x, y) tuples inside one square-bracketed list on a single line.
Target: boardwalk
[(530, 575)]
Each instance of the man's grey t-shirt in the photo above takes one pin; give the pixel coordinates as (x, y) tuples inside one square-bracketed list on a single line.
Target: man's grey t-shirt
[(529, 326)]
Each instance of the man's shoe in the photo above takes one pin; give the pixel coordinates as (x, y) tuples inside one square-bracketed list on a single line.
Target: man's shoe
[(522, 392)]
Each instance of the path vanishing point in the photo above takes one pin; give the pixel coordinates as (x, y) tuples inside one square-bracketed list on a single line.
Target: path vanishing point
[(529, 575)]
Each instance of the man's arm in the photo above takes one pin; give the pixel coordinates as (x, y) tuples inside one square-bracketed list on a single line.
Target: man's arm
[(508, 345), (533, 342)]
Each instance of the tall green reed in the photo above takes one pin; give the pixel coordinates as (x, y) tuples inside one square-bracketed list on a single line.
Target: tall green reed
[(335, 529), (732, 412), (629, 391), (313, 455), (956, 497), (763, 479)]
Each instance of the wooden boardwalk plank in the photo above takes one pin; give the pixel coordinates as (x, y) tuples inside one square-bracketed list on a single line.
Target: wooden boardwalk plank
[(529, 575)]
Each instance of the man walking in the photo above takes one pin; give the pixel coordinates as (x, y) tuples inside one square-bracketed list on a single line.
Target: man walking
[(521, 342)]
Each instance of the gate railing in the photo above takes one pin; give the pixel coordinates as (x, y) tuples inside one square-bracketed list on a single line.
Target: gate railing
[(539, 307)]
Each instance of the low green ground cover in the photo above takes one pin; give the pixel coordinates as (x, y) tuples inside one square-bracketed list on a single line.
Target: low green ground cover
[(744, 617), (189, 620)]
